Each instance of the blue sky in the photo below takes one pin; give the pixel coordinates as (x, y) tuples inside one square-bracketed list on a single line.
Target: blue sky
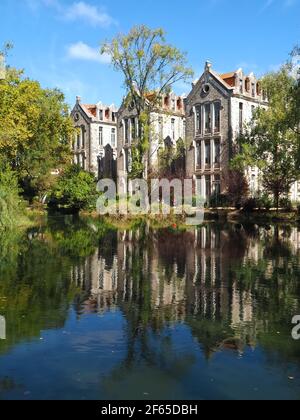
[(56, 41)]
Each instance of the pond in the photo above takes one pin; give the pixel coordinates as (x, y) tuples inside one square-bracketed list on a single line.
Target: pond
[(88, 311)]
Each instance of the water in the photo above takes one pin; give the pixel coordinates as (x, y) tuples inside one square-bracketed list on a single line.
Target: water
[(97, 313)]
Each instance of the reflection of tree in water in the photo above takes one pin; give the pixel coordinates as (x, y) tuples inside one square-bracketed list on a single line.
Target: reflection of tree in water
[(224, 283), (36, 288), (231, 285)]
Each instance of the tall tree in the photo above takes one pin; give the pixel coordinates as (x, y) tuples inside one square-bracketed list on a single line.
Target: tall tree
[(150, 68), (271, 141), (35, 130)]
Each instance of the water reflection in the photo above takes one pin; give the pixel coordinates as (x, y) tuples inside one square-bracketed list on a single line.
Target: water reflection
[(232, 289)]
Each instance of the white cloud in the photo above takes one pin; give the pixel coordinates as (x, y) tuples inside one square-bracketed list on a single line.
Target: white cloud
[(77, 11), (82, 51), (91, 14)]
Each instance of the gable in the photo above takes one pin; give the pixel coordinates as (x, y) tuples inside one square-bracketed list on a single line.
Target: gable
[(216, 88)]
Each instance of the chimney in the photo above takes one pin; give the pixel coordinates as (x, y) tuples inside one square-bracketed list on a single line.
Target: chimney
[(78, 99), (208, 65)]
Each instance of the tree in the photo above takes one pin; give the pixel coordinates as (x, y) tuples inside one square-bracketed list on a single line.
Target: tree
[(75, 189), (150, 68), (237, 187), (11, 205), (35, 131), (271, 141)]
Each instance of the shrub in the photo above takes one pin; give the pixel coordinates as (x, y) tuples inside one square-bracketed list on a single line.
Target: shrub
[(286, 204), (75, 189), (219, 200), (11, 204), (237, 187), (264, 202), (250, 205)]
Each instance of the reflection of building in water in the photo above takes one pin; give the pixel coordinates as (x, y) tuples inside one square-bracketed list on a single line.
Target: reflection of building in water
[(176, 277)]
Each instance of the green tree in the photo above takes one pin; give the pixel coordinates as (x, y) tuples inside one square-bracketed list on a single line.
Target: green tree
[(75, 189), (35, 131), (271, 140), (150, 68), (11, 205)]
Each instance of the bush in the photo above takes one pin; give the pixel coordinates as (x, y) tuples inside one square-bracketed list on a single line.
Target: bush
[(237, 187), (75, 189), (286, 204), (264, 202), (250, 205), (11, 204), (219, 200)]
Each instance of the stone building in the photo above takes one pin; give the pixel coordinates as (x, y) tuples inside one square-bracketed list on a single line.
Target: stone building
[(167, 127), (217, 109), (95, 143)]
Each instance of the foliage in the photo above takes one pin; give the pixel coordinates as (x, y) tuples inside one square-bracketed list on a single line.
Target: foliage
[(237, 186), (219, 200), (150, 68), (264, 202), (35, 131), (172, 160), (271, 141), (75, 189), (286, 204), (250, 205), (11, 205)]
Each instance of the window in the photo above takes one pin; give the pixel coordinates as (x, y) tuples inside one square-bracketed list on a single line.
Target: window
[(217, 153), (247, 84), (126, 160), (252, 109), (179, 104), (83, 137), (101, 114), (207, 111), (173, 104), (184, 130), (217, 185), (208, 187), (113, 137), (83, 162), (258, 88), (207, 154), (217, 112), (133, 128), (198, 120), (198, 156), (161, 128), (113, 116), (253, 90), (107, 113), (173, 128), (78, 140), (101, 136), (126, 126), (241, 117), (241, 86)]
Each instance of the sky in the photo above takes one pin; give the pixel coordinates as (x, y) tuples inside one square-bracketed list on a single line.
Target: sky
[(57, 42)]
